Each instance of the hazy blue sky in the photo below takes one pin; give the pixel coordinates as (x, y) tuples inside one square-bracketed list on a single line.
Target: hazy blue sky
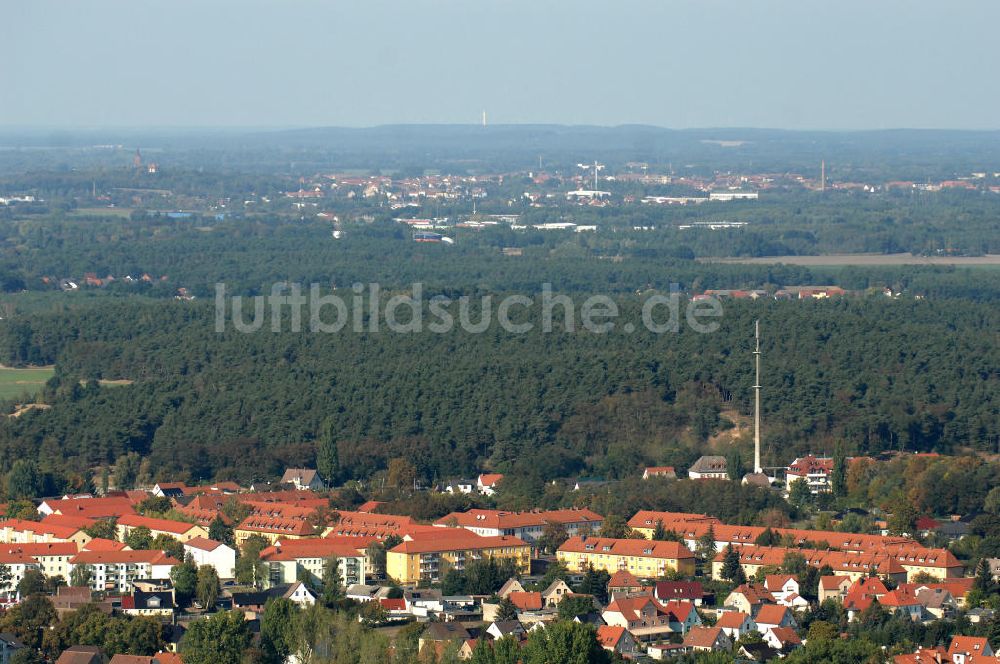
[(674, 63)]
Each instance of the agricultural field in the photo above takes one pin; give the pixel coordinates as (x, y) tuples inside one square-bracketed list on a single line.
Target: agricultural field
[(836, 260)]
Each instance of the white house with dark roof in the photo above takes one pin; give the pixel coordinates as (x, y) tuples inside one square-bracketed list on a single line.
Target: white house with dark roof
[(709, 467), (302, 478)]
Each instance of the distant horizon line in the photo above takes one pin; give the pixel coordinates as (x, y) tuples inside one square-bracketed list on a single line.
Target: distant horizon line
[(27, 128)]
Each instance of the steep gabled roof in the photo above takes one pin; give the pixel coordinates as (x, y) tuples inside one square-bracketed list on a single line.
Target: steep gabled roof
[(702, 637), (609, 636), (771, 614), (732, 619)]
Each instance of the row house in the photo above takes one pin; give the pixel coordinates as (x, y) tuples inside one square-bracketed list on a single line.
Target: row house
[(290, 560), (854, 565), (109, 507), (115, 571), (51, 558), (181, 531), (643, 558), (528, 526), (272, 529), (17, 563), (692, 527), (426, 557), (20, 531)]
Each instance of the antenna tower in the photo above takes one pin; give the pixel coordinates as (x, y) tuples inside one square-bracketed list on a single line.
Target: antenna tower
[(756, 406)]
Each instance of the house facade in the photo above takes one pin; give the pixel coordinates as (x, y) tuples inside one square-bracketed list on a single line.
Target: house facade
[(426, 557), (644, 559), (214, 554)]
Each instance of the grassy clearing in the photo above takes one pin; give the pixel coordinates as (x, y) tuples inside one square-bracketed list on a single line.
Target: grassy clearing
[(17, 382)]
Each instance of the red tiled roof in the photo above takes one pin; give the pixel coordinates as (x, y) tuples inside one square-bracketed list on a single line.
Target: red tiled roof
[(151, 557), (158, 525), (776, 581), (786, 636), (203, 543), (309, 548), (526, 601), (370, 506), (95, 508), (648, 518), (490, 479), (16, 557), (204, 517), (862, 592), (731, 619), (41, 549), (38, 527), (771, 614), (839, 561), (702, 637), (101, 544), (969, 645), (265, 524), (609, 636), (455, 540), (660, 470), (167, 658), (623, 579), (69, 520), (479, 518), (627, 547), (398, 604), (923, 656), (832, 582)]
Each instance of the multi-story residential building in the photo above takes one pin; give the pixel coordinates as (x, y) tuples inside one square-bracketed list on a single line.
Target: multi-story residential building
[(272, 529), (692, 527), (903, 564), (52, 558), (645, 521), (116, 570), (181, 531), (287, 560), (430, 555), (528, 526), (206, 551), (19, 531), (17, 563), (643, 558)]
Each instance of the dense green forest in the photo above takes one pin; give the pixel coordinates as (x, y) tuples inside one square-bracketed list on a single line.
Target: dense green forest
[(876, 374), (249, 255)]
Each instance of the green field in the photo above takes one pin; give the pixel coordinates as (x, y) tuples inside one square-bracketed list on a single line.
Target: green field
[(17, 382)]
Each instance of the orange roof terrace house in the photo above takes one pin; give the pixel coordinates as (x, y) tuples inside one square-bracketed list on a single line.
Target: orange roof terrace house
[(643, 558), (528, 526), (430, 554), (273, 529)]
